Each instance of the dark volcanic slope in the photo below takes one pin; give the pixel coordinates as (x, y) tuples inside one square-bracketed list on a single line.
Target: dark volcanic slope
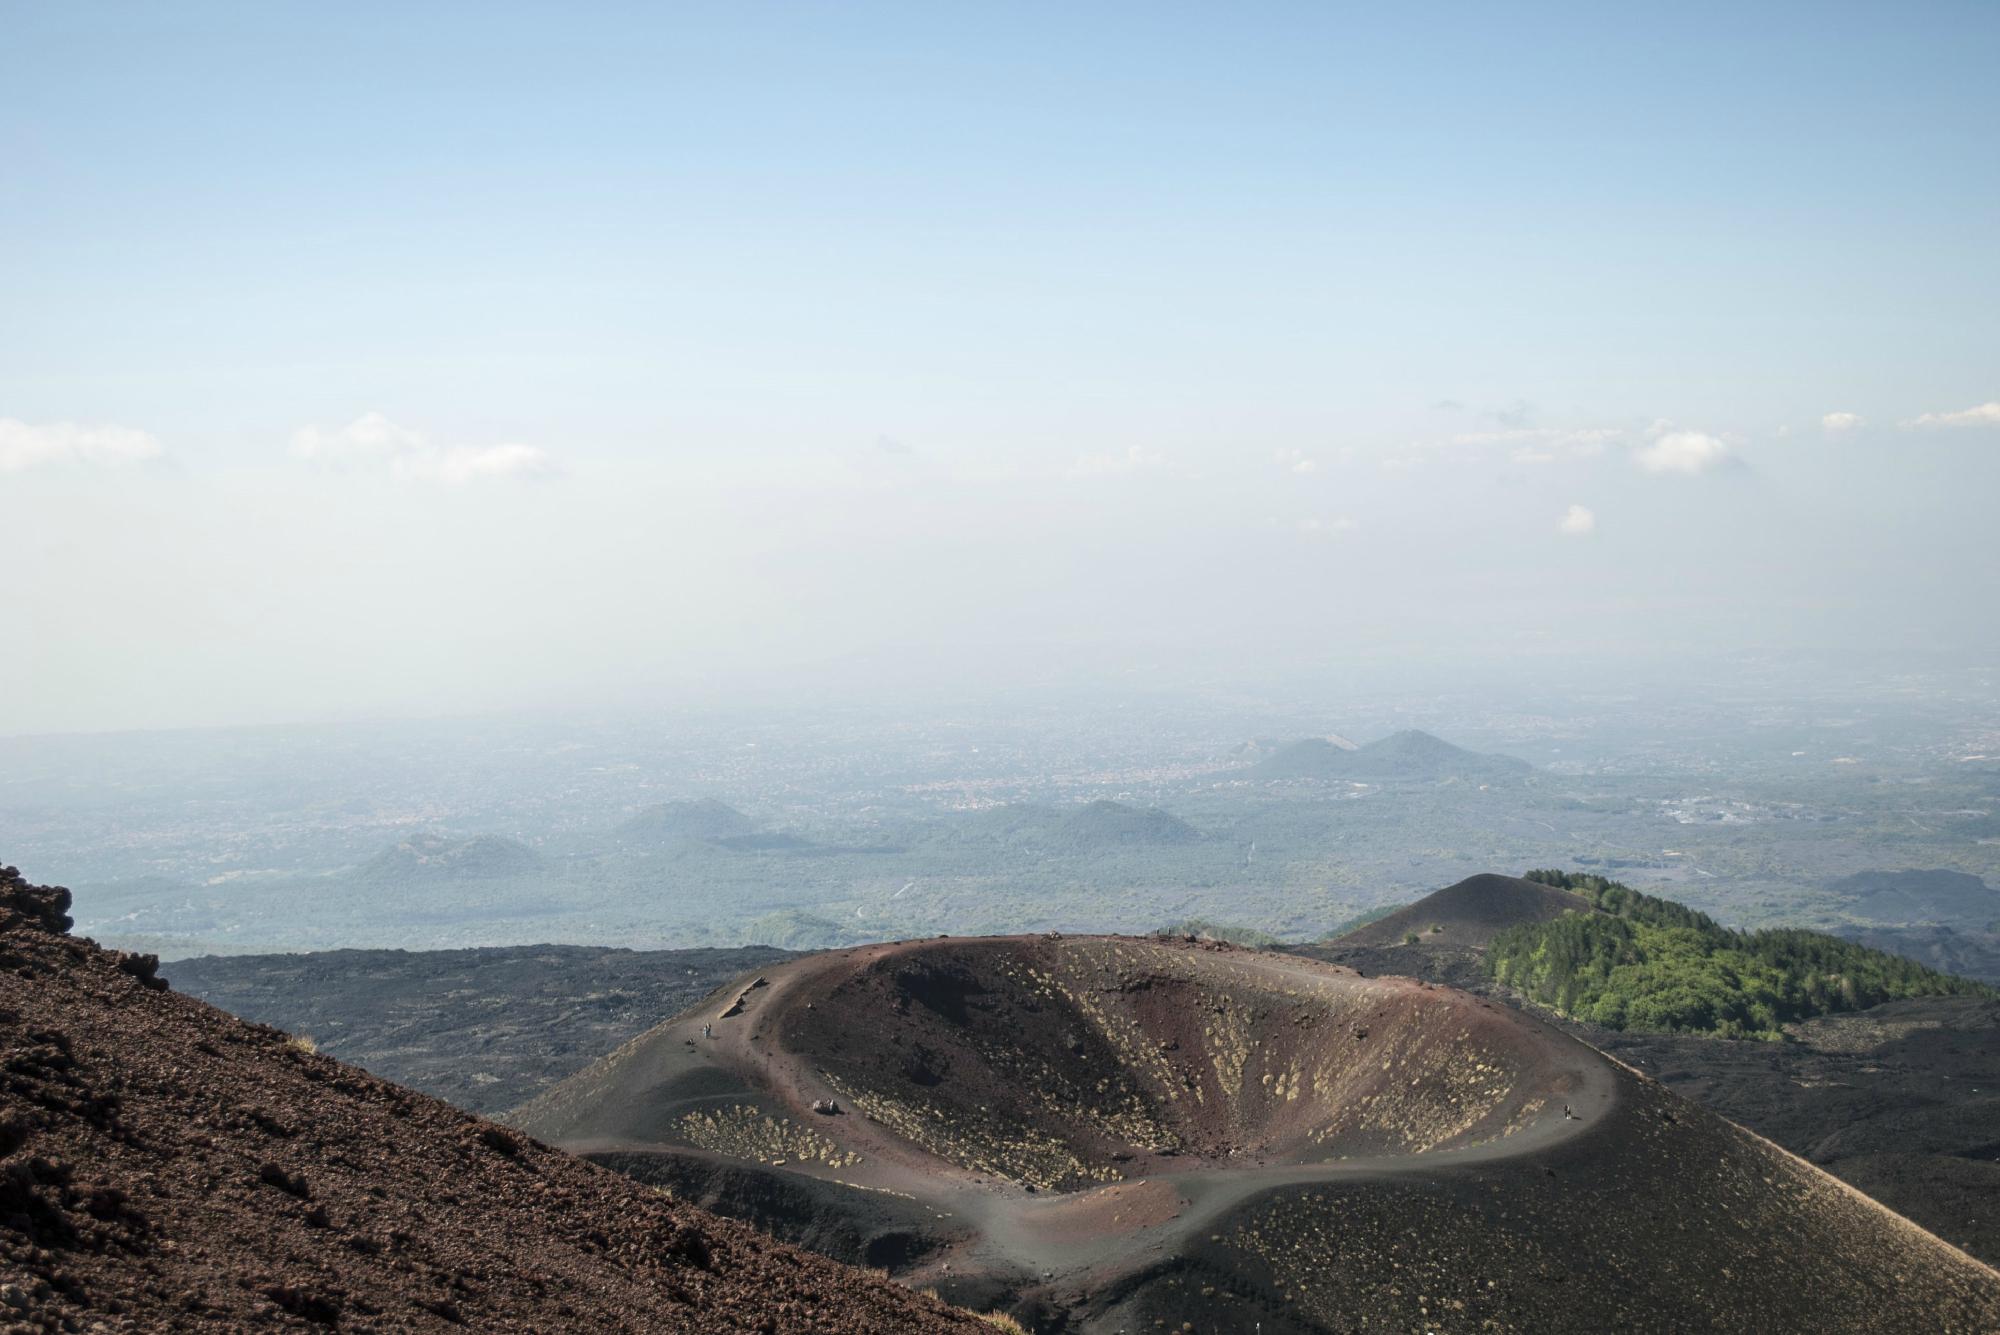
[(1902, 1101), (488, 1028), (1116, 1134), (168, 1167), (1470, 913)]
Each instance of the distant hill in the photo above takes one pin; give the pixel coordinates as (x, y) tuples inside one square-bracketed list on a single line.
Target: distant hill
[(1403, 757), (1008, 820), (718, 825), (1313, 758), (1097, 826), (1103, 823), (435, 859), (1894, 898), (1259, 748), (700, 818), (1468, 914)]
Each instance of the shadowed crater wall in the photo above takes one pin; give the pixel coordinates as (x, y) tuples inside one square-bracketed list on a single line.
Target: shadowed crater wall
[(1059, 1063)]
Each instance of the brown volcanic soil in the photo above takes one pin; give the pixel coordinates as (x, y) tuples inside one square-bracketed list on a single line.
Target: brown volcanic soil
[(168, 1167), (1113, 1134), (1470, 913)]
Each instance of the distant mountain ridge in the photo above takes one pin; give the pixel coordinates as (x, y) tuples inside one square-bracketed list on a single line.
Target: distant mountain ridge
[(1409, 756)]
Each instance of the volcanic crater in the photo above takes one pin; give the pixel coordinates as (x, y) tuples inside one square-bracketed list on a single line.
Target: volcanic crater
[(1101, 1131), (1059, 1064)]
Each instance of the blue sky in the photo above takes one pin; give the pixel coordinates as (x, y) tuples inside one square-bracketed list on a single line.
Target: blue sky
[(831, 333)]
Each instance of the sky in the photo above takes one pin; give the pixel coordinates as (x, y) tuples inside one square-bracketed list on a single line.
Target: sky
[(379, 359)]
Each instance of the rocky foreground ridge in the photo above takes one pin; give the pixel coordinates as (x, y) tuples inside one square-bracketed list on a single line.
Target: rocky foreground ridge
[(164, 1166)]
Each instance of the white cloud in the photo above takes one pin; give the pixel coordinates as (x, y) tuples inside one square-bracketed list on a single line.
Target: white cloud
[(1577, 522), (1326, 528), (372, 439), (465, 463), (1985, 414), (1840, 421), (24, 446), (1135, 459), (1531, 457), (1685, 452), (1295, 461), (369, 436)]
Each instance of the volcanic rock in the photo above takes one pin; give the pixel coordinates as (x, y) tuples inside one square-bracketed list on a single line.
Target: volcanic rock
[(164, 1166)]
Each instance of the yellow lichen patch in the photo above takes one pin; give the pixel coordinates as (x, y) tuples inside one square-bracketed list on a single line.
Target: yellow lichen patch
[(1118, 1112), (744, 1132), (1429, 1093), (1524, 1116), (1014, 1154), (1227, 1033)]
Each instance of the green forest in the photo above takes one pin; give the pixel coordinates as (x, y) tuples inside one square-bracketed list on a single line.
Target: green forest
[(1637, 962)]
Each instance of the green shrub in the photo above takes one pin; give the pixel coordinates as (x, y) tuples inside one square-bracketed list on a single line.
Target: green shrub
[(1632, 961)]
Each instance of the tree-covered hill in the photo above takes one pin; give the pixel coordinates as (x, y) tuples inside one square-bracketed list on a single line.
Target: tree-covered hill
[(1636, 962)]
